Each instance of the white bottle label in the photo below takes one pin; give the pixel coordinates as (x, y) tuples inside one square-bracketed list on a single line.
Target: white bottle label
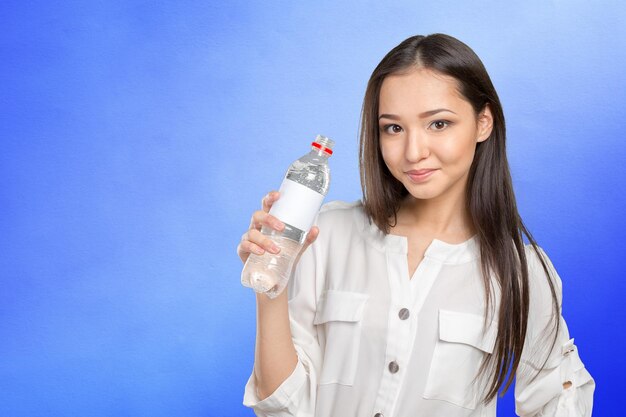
[(297, 205)]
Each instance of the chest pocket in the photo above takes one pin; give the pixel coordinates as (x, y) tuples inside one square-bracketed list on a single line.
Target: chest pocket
[(458, 353), (340, 314)]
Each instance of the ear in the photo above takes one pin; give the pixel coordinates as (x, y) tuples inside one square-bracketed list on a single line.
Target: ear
[(484, 124)]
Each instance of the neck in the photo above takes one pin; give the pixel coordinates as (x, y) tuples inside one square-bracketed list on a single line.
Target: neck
[(443, 216)]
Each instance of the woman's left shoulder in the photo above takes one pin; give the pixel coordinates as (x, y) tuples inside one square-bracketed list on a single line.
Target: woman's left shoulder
[(540, 291)]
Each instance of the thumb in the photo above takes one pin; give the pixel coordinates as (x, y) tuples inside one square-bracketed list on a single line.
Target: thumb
[(311, 236)]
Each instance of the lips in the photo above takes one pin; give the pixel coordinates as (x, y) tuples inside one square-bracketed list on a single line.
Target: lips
[(420, 175), (420, 171)]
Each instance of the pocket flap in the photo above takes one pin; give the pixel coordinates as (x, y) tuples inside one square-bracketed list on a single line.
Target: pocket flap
[(340, 306), (467, 328)]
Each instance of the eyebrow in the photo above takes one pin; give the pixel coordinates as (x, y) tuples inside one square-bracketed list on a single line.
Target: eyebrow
[(421, 115)]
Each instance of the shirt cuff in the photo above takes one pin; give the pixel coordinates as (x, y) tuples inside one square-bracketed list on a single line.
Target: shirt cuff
[(572, 401), (566, 371), (548, 393), (281, 398)]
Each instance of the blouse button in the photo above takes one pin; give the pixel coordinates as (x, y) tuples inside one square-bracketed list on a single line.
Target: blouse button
[(404, 313), (378, 415), (393, 367)]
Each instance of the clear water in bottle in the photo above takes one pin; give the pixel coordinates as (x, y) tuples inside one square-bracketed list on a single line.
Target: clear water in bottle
[(301, 194)]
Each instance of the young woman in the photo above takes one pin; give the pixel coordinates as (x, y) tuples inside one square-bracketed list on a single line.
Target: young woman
[(422, 298)]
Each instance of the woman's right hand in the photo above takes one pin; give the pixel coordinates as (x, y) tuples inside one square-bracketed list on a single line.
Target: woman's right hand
[(253, 241)]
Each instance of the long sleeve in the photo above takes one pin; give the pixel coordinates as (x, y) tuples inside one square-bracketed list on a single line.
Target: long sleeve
[(545, 394), (296, 396)]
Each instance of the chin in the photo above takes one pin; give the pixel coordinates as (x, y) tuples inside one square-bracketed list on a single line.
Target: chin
[(423, 192)]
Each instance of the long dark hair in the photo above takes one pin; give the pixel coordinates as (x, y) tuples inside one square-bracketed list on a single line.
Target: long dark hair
[(490, 198)]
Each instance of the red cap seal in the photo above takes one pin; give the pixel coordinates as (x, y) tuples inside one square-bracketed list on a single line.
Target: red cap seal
[(322, 148)]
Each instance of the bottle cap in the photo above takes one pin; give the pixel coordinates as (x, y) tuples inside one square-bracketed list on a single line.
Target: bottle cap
[(324, 144)]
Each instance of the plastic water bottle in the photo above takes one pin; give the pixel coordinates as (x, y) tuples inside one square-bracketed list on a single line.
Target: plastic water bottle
[(301, 194)]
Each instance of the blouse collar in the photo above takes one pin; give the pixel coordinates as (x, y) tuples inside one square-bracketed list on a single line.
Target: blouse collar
[(449, 253)]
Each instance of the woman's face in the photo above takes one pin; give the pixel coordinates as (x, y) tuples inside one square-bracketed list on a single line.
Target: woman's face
[(428, 132)]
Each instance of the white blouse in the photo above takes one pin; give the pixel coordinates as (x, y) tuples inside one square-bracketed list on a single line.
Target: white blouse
[(372, 342)]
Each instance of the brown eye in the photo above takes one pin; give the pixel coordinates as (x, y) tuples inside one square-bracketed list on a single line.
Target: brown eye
[(440, 124), (392, 128)]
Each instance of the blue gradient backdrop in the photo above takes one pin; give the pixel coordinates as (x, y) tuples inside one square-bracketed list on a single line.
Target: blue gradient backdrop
[(138, 137)]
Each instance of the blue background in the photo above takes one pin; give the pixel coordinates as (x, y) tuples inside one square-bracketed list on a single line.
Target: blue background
[(138, 137)]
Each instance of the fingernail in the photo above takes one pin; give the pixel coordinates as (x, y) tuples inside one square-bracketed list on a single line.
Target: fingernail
[(279, 226), (275, 249), (258, 251)]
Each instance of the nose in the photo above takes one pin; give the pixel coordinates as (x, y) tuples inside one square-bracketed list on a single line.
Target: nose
[(416, 147)]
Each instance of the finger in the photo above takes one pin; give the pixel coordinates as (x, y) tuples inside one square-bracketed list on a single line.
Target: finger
[(263, 241), (310, 238), (251, 247), (261, 218), (269, 200), (245, 248), (312, 235)]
